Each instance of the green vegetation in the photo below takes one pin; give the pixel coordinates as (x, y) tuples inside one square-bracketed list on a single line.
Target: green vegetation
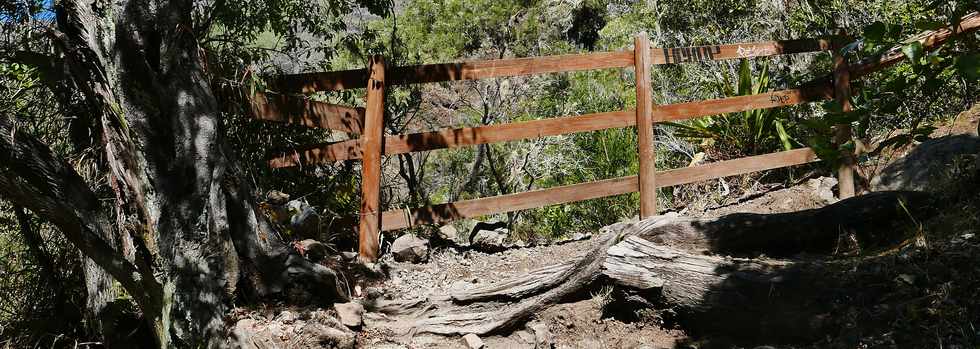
[(750, 132), (246, 44), (441, 31)]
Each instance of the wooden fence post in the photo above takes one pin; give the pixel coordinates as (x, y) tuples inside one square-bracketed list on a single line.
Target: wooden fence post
[(645, 128), (842, 133), (371, 144)]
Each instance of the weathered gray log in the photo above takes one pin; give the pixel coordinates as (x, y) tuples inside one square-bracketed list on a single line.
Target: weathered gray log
[(684, 259), (750, 298), (872, 218), (536, 280)]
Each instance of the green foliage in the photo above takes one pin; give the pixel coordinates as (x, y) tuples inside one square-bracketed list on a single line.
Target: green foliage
[(271, 36), (968, 66), (750, 132), (16, 82), (928, 87), (38, 304)]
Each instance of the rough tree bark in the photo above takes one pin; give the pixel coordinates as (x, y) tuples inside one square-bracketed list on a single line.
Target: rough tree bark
[(198, 238), (687, 264)]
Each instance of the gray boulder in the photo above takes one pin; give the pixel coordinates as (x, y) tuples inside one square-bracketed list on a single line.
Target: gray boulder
[(410, 248), (927, 167), (491, 240), (447, 233), (481, 226)]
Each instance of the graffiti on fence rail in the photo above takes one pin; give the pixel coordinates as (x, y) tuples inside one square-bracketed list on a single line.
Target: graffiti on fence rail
[(778, 99), (690, 54), (755, 51)]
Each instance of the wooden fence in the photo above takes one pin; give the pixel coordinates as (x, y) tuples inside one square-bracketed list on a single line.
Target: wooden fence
[(373, 143)]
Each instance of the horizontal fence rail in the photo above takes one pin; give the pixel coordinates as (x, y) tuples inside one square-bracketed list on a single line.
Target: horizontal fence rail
[(451, 138), (476, 70), (426, 73), (736, 51), (301, 111), (444, 213)]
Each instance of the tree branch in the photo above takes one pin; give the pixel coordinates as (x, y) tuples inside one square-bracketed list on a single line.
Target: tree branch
[(32, 177)]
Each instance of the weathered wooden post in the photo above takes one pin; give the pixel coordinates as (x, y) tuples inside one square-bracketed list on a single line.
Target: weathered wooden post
[(371, 144), (842, 133), (644, 126)]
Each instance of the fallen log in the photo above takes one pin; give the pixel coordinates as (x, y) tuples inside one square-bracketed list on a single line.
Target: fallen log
[(870, 218), (778, 300)]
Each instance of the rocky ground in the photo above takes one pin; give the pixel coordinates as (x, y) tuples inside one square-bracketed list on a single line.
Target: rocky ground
[(587, 322)]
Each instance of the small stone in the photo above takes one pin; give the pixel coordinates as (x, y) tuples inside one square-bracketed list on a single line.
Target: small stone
[(410, 248), (350, 314), (459, 286), (907, 278), (823, 187), (349, 256), (473, 341), (447, 233), (542, 335)]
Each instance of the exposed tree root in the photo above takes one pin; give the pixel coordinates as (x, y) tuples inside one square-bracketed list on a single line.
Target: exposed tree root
[(685, 260)]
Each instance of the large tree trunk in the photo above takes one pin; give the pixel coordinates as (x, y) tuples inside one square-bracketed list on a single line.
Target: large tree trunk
[(198, 239)]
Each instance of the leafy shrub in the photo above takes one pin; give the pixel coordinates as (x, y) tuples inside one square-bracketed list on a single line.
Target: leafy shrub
[(750, 132)]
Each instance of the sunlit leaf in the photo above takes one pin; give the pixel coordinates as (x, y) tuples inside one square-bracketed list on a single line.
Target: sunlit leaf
[(783, 135), (913, 51)]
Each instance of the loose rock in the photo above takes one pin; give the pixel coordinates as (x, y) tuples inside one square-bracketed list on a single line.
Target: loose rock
[(473, 341), (447, 233), (410, 248), (491, 240), (525, 337), (351, 314), (823, 187), (542, 335), (287, 317), (316, 329)]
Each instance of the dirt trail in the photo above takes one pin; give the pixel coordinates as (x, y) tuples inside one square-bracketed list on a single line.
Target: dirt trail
[(583, 323)]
